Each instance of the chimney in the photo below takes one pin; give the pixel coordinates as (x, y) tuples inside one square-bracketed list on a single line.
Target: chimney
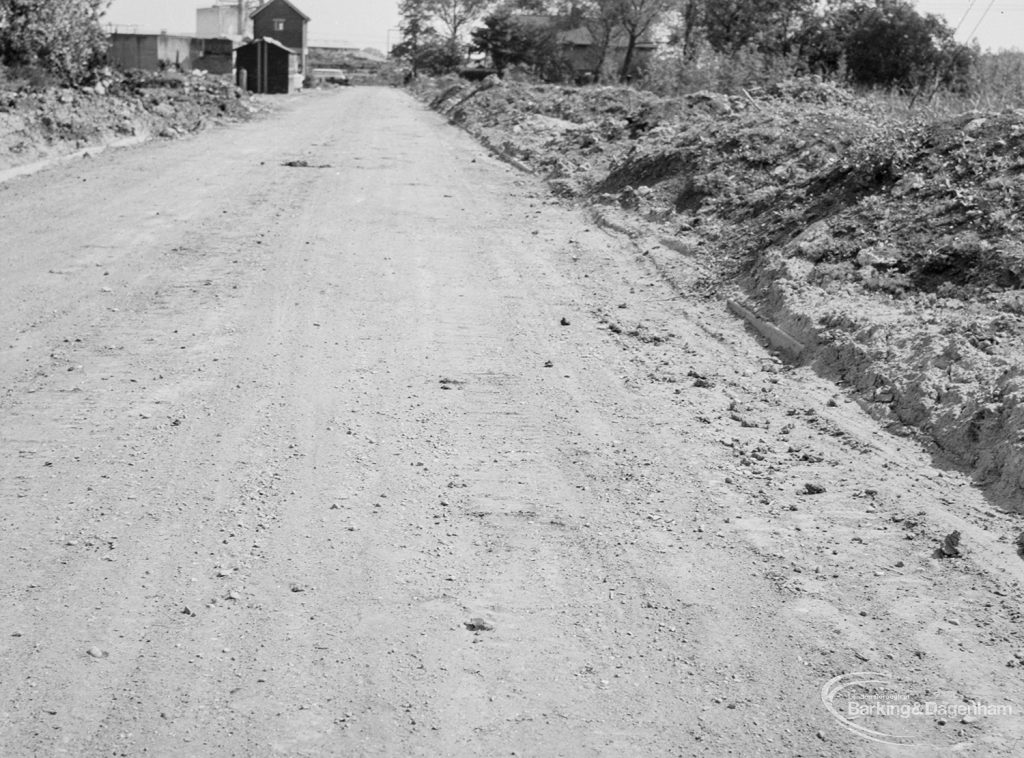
[(241, 18)]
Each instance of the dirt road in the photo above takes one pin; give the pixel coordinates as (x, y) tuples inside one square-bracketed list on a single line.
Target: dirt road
[(391, 454)]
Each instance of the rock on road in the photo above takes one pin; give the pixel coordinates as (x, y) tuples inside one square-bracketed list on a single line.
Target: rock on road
[(392, 454)]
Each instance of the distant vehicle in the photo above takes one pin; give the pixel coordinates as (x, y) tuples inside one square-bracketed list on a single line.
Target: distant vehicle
[(331, 76)]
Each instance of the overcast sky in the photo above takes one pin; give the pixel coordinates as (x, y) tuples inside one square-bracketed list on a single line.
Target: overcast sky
[(365, 23)]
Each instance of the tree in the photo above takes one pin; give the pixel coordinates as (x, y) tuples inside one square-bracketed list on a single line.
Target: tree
[(456, 15), (891, 45), (64, 37), (770, 26), (508, 41), (503, 40), (637, 17), (601, 19), (421, 46), (689, 21)]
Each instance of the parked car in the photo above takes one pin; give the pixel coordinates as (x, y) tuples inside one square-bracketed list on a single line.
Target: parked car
[(331, 76)]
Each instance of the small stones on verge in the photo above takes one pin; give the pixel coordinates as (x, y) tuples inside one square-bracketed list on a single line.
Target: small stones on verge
[(477, 624)]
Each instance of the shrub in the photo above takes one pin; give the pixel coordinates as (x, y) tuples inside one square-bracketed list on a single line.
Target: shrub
[(63, 37)]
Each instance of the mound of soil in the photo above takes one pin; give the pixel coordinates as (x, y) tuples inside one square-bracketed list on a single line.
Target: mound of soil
[(891, 248), (40, 124)]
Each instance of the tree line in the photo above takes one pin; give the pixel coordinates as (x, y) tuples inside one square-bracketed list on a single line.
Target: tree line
[(883, 43)]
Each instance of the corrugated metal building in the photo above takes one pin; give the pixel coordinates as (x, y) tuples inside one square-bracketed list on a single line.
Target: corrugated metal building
[(154, 52)]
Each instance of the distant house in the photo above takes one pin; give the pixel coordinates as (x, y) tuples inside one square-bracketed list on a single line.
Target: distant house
[(582, 51), (282, 21)]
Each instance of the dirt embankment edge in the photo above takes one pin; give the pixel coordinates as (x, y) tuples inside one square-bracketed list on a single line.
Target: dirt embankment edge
[(940, 362)]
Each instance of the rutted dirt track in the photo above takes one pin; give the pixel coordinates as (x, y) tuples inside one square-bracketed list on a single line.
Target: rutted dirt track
[(394, 455)]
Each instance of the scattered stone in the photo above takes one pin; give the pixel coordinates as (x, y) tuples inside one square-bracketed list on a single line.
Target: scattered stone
[(187, 610), (699, 380), (812, 488), (96, 652), (548, 364), (950, 547), (564, 321), (296, 587), (477, 624), (305, 164)]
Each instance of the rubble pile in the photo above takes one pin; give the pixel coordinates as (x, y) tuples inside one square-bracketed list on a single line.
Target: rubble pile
[(39, 124), (891, 247)]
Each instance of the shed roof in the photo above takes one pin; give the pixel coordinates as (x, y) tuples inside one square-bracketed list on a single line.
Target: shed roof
[(266, 5), (269, 41)]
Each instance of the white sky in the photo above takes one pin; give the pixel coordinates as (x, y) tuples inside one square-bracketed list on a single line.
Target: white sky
[(365, 23), (999, 23)]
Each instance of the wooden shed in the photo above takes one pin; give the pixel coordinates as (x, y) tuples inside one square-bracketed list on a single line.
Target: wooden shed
[(269, 66)]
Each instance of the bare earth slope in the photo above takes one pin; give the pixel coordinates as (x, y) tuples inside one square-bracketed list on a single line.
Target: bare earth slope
[(890, 247), (391, 454)]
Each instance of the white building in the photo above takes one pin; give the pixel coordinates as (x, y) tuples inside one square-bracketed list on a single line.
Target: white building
[(226, 18)]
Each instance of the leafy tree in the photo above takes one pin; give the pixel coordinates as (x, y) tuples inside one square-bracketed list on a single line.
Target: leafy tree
[(891, 45), (415, 30), (64, 37), (421, 46), (767, 25), (508, 42), (502, 39)]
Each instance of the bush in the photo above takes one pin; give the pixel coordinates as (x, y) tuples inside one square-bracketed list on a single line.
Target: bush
[(675, 72), (63, 37)]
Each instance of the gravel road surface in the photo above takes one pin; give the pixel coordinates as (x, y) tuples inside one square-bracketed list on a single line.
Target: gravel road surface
[(391, 453)]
